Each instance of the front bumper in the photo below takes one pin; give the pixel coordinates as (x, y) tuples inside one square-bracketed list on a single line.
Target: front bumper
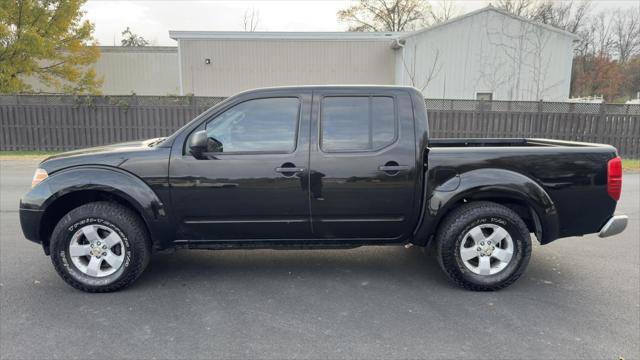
[(614, 226), (30, 223)]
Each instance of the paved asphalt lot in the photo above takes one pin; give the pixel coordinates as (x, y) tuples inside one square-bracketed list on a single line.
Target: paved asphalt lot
[(579, 298)]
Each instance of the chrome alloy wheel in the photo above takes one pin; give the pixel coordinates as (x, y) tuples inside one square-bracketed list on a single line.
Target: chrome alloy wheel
[(486, 249), (97, 250)]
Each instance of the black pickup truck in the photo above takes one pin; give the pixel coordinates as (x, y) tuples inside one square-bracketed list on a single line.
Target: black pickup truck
[(318, 167)]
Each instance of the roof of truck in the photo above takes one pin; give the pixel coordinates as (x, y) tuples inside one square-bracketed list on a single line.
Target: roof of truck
[(331, 87)]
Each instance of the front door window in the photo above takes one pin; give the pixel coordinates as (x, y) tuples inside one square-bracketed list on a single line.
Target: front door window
[(260, 125)]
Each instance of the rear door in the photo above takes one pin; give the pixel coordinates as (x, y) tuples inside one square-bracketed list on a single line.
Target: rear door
[(362, 176)]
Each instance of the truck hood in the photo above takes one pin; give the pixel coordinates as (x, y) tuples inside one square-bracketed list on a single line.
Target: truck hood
[(111, 155)]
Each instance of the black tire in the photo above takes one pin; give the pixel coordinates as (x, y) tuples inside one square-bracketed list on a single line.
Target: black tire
[(128, 225), (459, 222)]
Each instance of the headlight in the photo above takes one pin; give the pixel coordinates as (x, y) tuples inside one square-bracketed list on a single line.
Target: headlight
[(40, 175)]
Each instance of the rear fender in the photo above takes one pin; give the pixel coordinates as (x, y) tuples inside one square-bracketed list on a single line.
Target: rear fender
[(489, 184)]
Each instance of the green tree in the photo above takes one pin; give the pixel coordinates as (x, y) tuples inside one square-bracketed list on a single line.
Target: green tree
[(385, 15), (46, 39), (131, 39)]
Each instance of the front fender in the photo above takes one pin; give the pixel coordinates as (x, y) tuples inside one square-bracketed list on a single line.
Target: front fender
[(106, 179), (488, 184)]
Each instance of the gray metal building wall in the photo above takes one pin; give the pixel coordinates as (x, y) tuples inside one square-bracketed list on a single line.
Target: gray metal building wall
[(242, 64), (149, 70), (143, 70)]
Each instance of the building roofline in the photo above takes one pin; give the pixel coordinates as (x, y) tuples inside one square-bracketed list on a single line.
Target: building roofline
[(248, 35), (337, 35), (490, 8)]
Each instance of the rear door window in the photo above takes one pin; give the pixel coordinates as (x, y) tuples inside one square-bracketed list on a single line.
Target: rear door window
[(357, 123)]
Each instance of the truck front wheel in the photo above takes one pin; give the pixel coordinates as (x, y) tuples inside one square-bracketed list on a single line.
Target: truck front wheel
[(483, 246), (100, 247)]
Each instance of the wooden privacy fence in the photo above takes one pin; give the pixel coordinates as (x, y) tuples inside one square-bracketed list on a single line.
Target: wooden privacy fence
[(615, 124), (55, 123), (47, 122)]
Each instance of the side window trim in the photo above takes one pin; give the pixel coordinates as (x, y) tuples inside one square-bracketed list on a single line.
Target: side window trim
[(203, 126), (396, 125)]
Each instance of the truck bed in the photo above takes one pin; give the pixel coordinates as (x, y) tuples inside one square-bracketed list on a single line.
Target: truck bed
[(505, 142), (574, 174)]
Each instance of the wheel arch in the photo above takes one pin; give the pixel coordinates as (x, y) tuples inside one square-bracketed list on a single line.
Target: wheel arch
[(514, 190), (62, 205), (70, 188)]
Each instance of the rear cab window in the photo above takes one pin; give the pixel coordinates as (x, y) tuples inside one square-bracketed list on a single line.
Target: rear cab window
[(357, 123)]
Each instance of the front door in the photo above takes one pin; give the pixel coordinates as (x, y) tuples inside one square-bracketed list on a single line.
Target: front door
[(363, 165), (250, 182)]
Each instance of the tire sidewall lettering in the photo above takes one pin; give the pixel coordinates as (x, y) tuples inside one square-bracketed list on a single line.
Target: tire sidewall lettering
[(496, 220), (77, 274)]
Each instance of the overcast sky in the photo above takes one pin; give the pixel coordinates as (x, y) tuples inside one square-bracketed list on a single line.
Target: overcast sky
[(154, 19)]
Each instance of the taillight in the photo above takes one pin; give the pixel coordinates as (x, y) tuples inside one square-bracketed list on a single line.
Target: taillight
[(614, 178)]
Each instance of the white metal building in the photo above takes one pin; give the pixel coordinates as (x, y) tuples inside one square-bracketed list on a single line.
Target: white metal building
[(488, 54)]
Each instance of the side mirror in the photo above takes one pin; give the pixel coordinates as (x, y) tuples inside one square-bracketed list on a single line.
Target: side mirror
[(198, 143)]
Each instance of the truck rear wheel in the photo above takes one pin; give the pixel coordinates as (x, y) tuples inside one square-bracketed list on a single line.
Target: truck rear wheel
[(483, 246), (100, 247)]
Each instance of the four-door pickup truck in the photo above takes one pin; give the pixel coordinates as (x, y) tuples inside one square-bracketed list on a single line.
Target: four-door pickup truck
[(318, 167)]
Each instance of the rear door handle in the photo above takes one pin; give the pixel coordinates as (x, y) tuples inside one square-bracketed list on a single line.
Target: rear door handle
[(393, 167), (289, 169)]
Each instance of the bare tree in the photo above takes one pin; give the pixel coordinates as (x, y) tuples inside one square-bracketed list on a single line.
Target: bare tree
[(567, 15), (421, 82), (609, 43), (442, 11), (385, 15), (596, 36), (512, 44), (601, 32), (539, 65), (493, 69), (626, 34), (251, 19), (524, 8)]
